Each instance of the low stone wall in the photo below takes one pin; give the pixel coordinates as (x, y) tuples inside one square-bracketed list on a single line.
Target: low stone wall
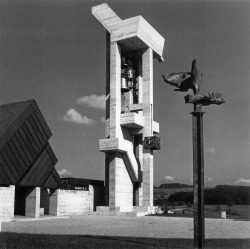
[(7, 197), (72, 202)]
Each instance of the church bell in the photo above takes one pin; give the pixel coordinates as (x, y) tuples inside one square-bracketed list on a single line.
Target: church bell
[(124, 85), (124, 81)]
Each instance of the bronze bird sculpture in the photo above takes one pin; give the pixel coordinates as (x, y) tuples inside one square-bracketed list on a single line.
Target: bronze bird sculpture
[(186, 80), (212, 98)]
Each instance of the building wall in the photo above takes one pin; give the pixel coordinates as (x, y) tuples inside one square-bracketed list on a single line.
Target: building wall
[(7, 195), (58, 202), (74, 202)]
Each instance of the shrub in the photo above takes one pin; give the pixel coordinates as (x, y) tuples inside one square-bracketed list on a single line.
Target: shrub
[(218, 208), (220, 195), (181, 196), (181, 203), (229, 211)]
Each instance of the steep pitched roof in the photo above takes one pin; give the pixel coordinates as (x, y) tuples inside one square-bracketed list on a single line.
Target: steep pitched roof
[(26, 159), (9, 113)]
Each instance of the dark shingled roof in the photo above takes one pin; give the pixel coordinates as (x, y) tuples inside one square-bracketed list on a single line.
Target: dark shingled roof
[(26, 158), (9, 113)]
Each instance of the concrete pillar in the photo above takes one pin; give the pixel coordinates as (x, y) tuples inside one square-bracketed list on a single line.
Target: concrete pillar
[(53, 202), (138, 187), (115, 90), (91, 198), (107, 160), (223, 214), (147, 74), (7, 199), (120, 185), (114, 65), (112, 179), (32, 203), (107, 127)]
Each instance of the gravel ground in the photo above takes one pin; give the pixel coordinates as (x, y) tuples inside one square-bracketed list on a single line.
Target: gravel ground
[(144, 227)]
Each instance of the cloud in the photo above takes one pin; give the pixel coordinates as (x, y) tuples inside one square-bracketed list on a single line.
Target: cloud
[(64, 173), (242, 181), (102, 119), (74, 116), (93, 101), (207, 179), (168, 178), (211, 150)]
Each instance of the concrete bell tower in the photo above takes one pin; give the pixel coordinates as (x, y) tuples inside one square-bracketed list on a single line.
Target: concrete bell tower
[(131, 46)]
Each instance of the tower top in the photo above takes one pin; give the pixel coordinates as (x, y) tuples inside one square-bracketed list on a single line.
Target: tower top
[(134, 33)]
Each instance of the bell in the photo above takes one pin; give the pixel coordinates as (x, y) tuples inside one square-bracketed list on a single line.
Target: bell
[(124, 63), (124, 85)]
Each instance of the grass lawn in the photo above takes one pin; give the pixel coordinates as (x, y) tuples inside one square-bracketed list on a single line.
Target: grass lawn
[(42, 241)]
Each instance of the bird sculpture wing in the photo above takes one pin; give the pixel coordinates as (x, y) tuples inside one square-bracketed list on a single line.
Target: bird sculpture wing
[(199, 97), (215, 95), (175, 79)]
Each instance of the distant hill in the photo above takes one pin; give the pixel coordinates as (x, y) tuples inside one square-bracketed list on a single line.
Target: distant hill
[(220, 195), (175, 185), (232, 187)]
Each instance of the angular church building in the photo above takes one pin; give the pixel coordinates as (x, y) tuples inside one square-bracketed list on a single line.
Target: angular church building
[(27, 162)]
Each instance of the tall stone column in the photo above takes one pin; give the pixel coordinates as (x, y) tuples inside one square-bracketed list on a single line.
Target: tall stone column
[(115, 90), (114, 120), (32, 205), (147, 75)]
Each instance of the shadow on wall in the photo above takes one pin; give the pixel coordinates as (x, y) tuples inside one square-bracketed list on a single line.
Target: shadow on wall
[(24, 241), (99, 196)]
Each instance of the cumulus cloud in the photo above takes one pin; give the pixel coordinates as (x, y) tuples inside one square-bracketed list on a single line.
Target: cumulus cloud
[(168, 178), (207, 180), (93, 101), (74, 116), (242, 181), (211, 150), (64, 173)]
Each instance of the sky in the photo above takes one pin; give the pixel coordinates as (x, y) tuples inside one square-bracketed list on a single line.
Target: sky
[(53, 51)]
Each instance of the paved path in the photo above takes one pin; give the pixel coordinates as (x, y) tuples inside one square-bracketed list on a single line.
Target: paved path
[(148, 227)]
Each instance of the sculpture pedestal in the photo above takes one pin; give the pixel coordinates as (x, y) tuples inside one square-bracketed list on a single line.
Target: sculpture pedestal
[(198, 178)]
